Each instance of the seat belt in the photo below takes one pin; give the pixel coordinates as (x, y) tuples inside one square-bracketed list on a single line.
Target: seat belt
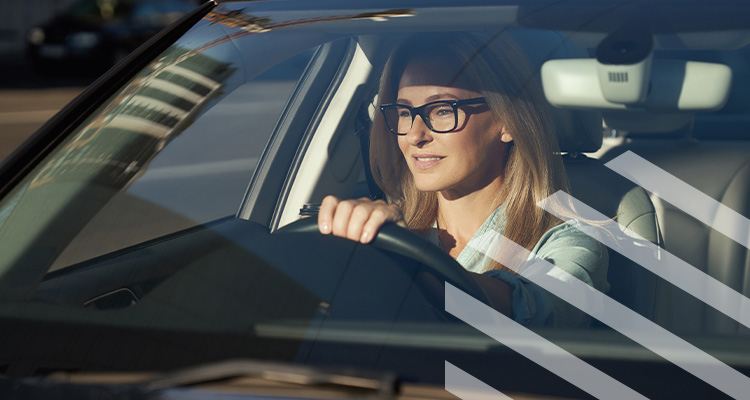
[(364, 124)]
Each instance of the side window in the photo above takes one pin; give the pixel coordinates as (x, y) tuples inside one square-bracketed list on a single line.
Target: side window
[(203, 170), (332, 161)]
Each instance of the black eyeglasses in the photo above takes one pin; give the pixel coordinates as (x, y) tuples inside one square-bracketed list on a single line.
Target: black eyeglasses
[(440, 116)]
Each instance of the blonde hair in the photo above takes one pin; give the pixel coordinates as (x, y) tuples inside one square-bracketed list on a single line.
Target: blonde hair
[(498, 69)]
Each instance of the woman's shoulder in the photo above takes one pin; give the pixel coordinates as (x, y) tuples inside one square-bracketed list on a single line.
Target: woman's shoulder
[(572, 232), (574, 246)]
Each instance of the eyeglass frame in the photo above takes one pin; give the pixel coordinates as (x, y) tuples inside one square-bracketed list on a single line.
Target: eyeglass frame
[(414, 111)]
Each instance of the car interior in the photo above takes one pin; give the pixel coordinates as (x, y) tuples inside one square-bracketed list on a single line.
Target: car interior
[(319, 146), (704, 149)]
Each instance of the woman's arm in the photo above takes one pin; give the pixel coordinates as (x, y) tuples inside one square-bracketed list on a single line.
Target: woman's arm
[(579, 255), (498, 292)]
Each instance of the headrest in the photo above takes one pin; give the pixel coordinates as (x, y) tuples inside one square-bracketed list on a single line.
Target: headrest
[(578, 131)]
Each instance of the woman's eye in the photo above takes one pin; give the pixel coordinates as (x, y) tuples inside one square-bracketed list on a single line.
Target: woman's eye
[(404, 114), (443, 112)]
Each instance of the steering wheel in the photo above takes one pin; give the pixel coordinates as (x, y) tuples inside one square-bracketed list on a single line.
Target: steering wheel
[(398, 240)]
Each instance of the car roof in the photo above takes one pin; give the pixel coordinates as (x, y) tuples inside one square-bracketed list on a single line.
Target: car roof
[(661, 16)]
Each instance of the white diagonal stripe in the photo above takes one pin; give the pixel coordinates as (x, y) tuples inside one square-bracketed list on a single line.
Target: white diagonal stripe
[(541, 351), (683, 196), (668, 266), (467, 387), (631, 324)]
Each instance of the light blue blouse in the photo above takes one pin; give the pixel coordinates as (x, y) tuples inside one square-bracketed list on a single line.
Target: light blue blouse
[(566, 247)]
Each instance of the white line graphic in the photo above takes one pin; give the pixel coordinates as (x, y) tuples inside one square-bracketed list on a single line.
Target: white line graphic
[(629, 323), (683, 196), (670, 267), (541, 351), (584, 297), (467, 387)]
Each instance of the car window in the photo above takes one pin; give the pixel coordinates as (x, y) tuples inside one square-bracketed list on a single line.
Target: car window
[(202, 174), (209, 126)]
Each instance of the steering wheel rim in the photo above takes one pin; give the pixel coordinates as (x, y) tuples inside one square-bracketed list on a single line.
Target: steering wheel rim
[(402, 241)]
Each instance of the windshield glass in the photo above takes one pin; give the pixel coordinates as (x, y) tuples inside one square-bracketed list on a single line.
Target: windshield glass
[(216, 124), (183, 209)]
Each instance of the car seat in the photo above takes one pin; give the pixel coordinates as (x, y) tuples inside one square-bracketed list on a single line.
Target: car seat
[(593, 183)]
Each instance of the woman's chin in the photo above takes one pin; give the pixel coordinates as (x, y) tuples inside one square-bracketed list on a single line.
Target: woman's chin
[(430, 186)]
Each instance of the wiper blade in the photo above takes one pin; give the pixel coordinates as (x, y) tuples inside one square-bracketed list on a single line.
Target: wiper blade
[(382, 383)]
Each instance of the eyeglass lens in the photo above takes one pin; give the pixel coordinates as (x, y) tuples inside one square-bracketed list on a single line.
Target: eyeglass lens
[(439, 117)]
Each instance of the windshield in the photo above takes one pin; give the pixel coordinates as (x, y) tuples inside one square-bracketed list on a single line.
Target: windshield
[(177, 223)]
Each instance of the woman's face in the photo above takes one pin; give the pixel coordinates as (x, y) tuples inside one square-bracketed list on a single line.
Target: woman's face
[(456, 163)]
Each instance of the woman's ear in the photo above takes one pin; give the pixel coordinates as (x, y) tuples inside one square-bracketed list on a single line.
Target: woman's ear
[(505, 136)]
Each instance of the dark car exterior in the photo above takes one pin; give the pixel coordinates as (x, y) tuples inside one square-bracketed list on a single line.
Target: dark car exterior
[(151, 244)]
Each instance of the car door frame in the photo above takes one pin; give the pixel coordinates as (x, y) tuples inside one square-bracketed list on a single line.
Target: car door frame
[(282, 156)]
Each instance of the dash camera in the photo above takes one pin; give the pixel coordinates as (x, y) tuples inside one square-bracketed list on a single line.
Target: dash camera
[(624, 66)]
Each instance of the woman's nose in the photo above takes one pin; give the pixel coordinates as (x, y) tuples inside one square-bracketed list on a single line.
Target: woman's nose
[(419, 134)]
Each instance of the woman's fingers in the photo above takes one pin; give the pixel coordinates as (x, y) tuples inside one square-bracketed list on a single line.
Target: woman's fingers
[(341, 216), (380, 214), (359, 216), (325, 215), (358, 220)]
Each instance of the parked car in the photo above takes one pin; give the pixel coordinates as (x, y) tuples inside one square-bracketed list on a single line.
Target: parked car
[(93, 35), (156, 239)]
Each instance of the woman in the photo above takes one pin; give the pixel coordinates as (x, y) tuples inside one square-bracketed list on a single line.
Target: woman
[(463, 146)]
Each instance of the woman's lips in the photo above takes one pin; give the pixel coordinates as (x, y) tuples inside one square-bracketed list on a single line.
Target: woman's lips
[(425, 161)]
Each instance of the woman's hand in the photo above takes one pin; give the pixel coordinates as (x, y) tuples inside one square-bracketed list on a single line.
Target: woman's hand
[(358, 220)]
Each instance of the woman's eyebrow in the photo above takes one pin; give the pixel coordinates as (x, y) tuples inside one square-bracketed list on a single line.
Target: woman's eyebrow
[(441, 96), (430, 99)]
